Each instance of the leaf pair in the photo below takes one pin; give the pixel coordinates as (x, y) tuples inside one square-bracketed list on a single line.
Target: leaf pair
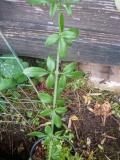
[(38, 134), (68, 37), (55, 5), (48, 99), (71, 34), (48, 111), (63, 78), (54, 114), (64, 39), (69, 71), (56, 119)]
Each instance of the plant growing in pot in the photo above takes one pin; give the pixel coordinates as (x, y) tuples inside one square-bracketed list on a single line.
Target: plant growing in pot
[(55, 134)]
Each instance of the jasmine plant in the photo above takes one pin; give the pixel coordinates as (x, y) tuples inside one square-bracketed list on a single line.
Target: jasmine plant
[(55, 134)]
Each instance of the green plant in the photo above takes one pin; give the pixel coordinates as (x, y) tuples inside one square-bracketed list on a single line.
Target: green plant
[(55, 78), (2, 105), (116, 109), (10, 72), (53, 142)]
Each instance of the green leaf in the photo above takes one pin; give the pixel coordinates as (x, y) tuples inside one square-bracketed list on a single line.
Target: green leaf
[(36, 134), (46, 112), (37, 2), (6, 83), (21, 79), (36, 122), (50, 64), (69, 42), (9, 68), (53, 9), (35, 72), (68, 9), (59, 91), (69, 68), (61, 22), (48, 130), (29, 114), (52, 39), (62, 48), (75, 31), (56, 120), (3, 104), (58, 133), (60, 102), (50, 81), (16, 95), (61, 110), (76, 74), (45, 97), (62, 81), (71, 34), (117, 3)]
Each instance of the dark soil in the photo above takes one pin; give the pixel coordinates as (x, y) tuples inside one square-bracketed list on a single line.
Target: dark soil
[(103, 140), (90, 134), (90, 127), (14, 145)]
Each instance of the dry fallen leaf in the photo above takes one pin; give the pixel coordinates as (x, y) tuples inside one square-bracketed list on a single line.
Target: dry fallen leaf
[(103, 110), (97, 109), (94, 94), (87, 99), (72, 118), (106, 108)]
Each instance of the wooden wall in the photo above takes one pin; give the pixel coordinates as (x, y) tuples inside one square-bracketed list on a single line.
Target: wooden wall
[(27, 27)]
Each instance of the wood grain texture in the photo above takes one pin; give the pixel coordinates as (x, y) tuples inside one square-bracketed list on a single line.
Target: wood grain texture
[(27, 27)]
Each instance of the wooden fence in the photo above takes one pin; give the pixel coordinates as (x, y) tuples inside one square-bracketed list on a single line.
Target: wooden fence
[(27, 27)]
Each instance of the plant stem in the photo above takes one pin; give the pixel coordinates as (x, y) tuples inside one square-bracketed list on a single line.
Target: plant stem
[(55, 90), (55, 87), (50, 150), (56, 80), (56, 71)]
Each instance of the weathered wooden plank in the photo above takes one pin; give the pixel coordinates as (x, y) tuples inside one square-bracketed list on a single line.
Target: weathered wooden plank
[(91, 46), (27, 27), (90, 15)]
